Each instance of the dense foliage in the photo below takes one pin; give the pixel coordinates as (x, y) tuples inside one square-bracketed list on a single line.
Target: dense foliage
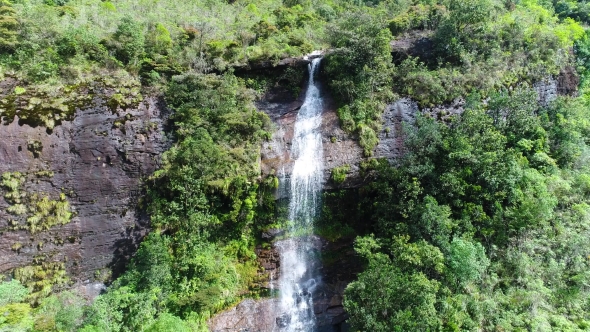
[(199, 258), (482, 225), (481, 45)]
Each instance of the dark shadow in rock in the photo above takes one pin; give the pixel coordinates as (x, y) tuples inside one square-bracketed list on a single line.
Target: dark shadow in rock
[(128, 244)]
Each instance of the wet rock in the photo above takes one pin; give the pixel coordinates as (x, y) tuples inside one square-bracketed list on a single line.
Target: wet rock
[(269, 260), (339, 147), (90, 290), (249, 315), (272, 233), (283, 320), (264, 315)]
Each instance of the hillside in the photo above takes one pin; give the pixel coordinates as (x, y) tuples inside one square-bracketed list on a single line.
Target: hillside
[(146, 151)]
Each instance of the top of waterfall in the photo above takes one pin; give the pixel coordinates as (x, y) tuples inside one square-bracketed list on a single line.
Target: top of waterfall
[(313, 55)]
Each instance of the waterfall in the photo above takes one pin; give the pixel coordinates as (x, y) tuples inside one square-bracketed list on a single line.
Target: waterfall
[(298, 280)]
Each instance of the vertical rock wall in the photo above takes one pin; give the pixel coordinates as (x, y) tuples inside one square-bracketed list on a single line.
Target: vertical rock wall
[(99, 160)]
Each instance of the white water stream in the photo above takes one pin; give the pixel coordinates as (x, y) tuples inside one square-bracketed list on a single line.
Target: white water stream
[(298, 280)]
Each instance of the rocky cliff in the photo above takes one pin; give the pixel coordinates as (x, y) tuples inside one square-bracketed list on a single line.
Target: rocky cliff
[(340, 148), (96, 161), (72, 191)]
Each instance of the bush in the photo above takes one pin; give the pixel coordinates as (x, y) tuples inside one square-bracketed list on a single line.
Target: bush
[(339, 173), (127, 43), (12, 292)]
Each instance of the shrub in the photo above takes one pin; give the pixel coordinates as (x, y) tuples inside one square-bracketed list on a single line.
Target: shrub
[(339, 173)]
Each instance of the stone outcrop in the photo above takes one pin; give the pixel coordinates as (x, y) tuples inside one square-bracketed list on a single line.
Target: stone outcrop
[(341, 149), (391, 136), (416, 43), (98, 160), (403, 110), (100, 157)]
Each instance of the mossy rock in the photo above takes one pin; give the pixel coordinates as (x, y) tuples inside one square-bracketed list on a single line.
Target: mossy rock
[(34, 212), (48, 107)]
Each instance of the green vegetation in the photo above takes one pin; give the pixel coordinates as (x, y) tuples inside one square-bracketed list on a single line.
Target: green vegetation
[(339, 215), (61, 312), (199, 259), (360, 71), (481, 225), (339, 174), (8, 25), (34, 212), (481, 45), (69, 41)]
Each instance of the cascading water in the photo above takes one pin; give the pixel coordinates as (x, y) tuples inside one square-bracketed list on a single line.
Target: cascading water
[(298, 280)]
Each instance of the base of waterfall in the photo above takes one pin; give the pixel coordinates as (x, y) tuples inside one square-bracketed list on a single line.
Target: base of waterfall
[(339, 268), (258, 315)]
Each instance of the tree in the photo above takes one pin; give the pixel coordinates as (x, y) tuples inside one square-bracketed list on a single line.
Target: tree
[(158, 40), (127, 43), (405, 297), (8, 26), (467, 261), (169, 323)]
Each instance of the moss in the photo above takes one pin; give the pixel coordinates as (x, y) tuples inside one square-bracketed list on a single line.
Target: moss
[(49, 106), (42, 278), (33, 212), (121, 121), (17, 209), (44, 174), (19, 90), (127, 95), (11, 183), (35, 146), (16, 246), (339, 173), (40, 108), (46, 213)]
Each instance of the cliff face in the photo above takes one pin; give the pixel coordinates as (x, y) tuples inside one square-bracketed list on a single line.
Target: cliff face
[(340, 148), (97, 161)]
